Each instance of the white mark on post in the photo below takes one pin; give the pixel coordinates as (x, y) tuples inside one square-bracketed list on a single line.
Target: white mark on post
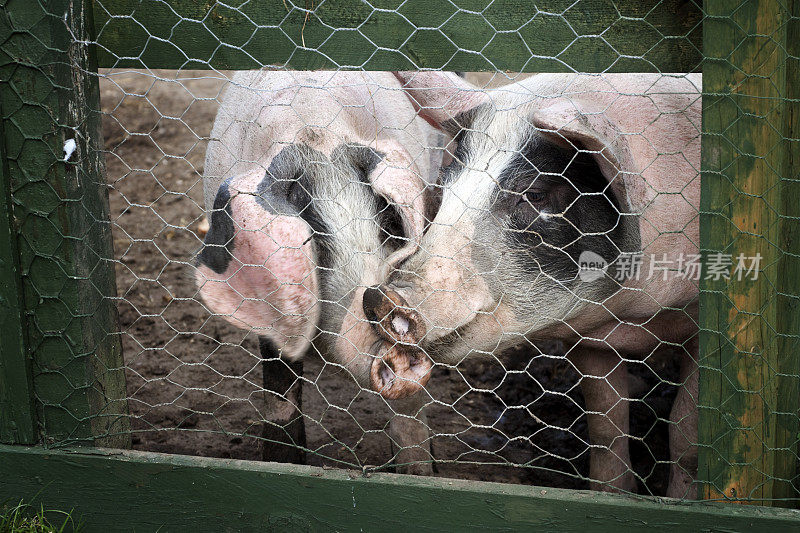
[(353, 492), (69, 148), (400, 324)]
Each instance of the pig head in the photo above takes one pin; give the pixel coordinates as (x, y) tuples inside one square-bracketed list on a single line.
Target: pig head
[(543, 171), (316, 184)]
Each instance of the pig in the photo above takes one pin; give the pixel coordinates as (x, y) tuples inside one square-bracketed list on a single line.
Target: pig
[(543, 172), (317, 183)]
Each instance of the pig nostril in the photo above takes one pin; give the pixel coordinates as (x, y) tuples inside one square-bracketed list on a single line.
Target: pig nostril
[(387, 373)]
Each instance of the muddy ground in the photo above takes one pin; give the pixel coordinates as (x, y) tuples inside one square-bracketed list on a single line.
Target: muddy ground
[(194, 382)]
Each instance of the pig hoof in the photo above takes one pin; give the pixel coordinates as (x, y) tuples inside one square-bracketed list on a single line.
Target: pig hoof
[(399, 373)]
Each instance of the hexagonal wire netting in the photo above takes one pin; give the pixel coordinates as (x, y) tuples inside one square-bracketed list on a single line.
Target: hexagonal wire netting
[(487, 276)]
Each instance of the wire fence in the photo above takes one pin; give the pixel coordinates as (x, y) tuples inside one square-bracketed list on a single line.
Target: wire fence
[(482, 275)]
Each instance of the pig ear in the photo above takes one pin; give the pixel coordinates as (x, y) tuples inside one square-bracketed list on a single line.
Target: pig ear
[(256, 268), (396, 178), (564, 124), (441, 96)]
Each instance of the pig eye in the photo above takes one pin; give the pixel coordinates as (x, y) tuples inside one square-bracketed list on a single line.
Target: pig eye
[(535, 197)]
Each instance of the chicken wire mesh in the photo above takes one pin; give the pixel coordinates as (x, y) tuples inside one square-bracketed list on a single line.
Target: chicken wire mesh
[(535, 240)]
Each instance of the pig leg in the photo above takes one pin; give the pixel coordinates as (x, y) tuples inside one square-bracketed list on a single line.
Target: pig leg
[(410, 436), (683, 428), (605, 388), (284, 429)]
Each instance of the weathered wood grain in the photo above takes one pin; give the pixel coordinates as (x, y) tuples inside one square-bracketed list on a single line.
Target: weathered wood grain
[(470, 35), (750, 362), (114, 490), (16, 398), (63, 233), (787, 414)]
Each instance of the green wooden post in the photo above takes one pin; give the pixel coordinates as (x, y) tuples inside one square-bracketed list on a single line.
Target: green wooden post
[(789, 270), (49, 95), (750, 355), (16, 398)]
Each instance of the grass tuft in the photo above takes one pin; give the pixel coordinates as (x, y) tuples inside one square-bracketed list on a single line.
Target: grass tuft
[(23, 518)]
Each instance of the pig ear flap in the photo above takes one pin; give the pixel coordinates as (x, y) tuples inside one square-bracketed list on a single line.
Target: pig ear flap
[(256, 268), (563, 124), (394, 176), (440, 97)]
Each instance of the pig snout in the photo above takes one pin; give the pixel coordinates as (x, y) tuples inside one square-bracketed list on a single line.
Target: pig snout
[(400, 368), (391, 316), (399, 371)]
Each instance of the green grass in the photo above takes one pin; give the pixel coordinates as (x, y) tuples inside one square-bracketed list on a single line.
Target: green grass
[(22, 518)]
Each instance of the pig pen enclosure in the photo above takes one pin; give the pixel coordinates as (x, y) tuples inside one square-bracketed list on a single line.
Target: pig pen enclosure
[(122, 380)]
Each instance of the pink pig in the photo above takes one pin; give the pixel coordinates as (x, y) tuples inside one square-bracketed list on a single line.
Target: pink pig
[(545, 173), (317, 185)]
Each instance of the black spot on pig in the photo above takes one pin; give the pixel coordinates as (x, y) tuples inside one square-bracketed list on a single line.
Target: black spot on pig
[(461, 128), (433, 201), (466, 119), (554, 203), (365, 160), (391, 224), (288, 188), (298, 181), (218, 244), (292, 186)]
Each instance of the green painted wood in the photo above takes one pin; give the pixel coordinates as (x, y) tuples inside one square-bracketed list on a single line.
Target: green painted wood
[(48, 96), (788, 410), (750, 362), (472, 35), (16, 389), (115, 490)]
